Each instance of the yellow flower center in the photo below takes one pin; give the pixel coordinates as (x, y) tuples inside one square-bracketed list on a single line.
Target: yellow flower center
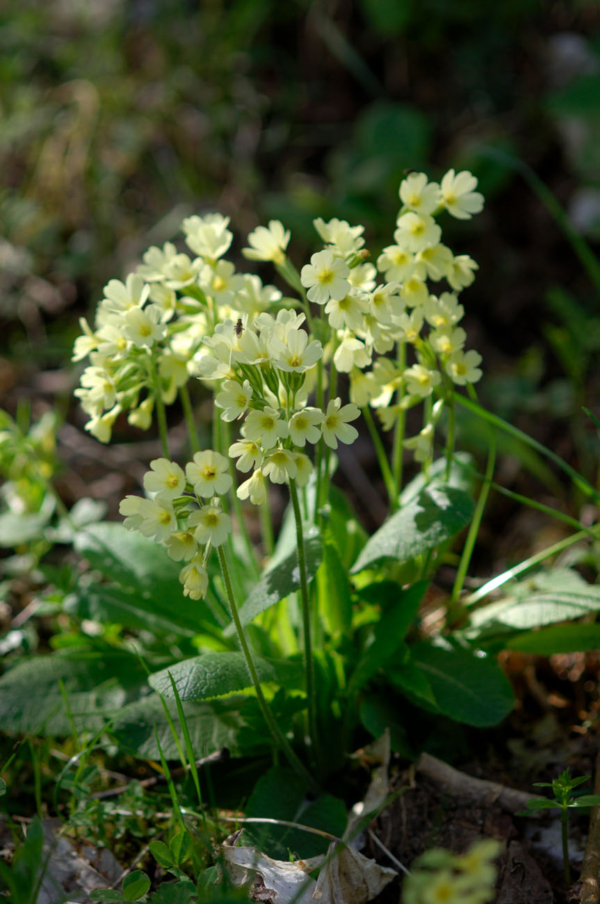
[(172, 481), (164, 517), (449, 198), (460, 369), (219, 284), (400, 257), (295, 361), (414, 201), (145, 330), (209, 472), (418, 228), (325, 277)]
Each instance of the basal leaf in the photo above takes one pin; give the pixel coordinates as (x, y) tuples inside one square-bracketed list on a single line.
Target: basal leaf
[(279, 580), (537, 609), (576, 638), (434, 516), (334, 592), (216, 674), (135, 885), (280, 794), (468, 686), (388, 634), (378, 714), (98, 684), (219, 724), (131, 560)]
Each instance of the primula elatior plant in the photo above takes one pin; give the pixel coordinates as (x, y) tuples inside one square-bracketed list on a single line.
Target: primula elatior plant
[(344, 605), (273, 364)]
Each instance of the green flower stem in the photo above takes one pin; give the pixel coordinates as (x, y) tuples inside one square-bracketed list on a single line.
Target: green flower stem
[(565, 844), (236, 504), (278, 736), (427, 408), (266, 528), (160, 406), (309, 663), (531, 562), (384, 466), (451, 436), (467, 552), (189, 417), (399, 430), (579, 481), (326, 451)]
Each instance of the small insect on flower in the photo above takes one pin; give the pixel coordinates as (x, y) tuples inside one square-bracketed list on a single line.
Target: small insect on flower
[(239, 327)]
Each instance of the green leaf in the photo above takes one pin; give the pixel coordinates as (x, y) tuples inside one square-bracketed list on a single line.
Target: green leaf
[(227, 723), (180, 846), (98, 684), (161, 854), (216, 674), (279, 580), (280, 794), (388, 634), (468, 686), (127, 557), (377, 715), (335, 602), (135, 885), (542, 803), (576, 638), (538, 609), (2, 787), (108, 894), (434, 516), (413, 681), (586, 800), (136, 609)]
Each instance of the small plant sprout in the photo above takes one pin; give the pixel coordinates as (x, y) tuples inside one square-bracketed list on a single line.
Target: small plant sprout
[(564, 799)]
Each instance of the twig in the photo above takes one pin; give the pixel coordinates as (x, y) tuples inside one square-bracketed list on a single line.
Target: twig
[(389, 854), (129, 869), (459, 784), (278, 822), (217, 757), (590, 870)]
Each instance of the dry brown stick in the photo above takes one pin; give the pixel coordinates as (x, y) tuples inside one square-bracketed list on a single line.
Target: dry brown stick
[(459, 784), (216, 757), (590, 870)]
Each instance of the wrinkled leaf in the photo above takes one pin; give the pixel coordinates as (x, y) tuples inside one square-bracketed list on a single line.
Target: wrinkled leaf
[(228, 723), (468, 686), (98, 685), (434, 516), (216, 674), (537, 609), (279, 580)]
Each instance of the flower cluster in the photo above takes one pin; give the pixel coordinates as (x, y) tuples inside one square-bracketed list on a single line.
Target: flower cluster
[(267, 371), (184, 513), (370, 318), (148, 329), (440, 876)]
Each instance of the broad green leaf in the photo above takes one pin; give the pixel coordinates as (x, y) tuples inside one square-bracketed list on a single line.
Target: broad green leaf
[(161, 853), (98, 684), (135, 885), (576, 638), (388, 634), (461, 477), (538, 609), (131, 560), (216, 674), (434, 516), (377, 714), (413, 680), (144, 592), (17, 529), (228, 723), (280, 794), (348, 533), (279, 580), (335, 602), (468, 686)]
